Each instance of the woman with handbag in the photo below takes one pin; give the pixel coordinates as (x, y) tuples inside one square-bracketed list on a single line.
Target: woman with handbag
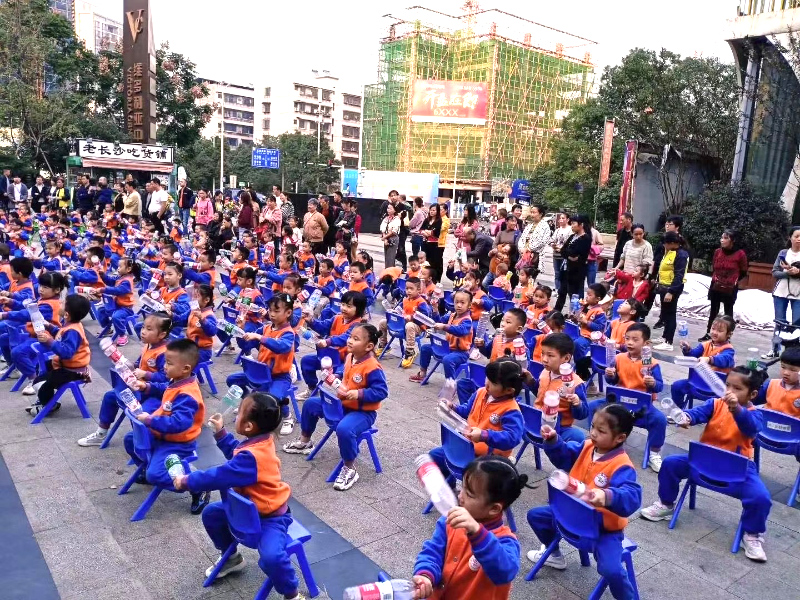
[(786, 272), (729, 267), (390, 234), (594, 255)]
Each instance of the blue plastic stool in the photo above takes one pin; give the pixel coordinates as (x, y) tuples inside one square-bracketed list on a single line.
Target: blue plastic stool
[(440, 348), (698, 388), (633, 400), (532, 418), (19, 383), (396, 329), (43, 355), (203, 373), (245, 526), (259, 376), (781, 434)]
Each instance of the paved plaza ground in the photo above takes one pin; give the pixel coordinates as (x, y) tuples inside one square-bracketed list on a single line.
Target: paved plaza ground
[(68, 533)]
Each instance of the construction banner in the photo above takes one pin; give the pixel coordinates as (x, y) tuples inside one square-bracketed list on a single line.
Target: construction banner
[(628, 176), (605, 161), (460, 102)]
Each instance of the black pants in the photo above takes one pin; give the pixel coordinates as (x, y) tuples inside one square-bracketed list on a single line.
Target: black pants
[(669, 314), (717, 298), (54, 379), (571, 283), (435, 257), (401, 248), (156, 220)]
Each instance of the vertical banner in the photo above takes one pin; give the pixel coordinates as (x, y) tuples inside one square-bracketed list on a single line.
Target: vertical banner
[(139, 67), (605, 161), (628, 175)]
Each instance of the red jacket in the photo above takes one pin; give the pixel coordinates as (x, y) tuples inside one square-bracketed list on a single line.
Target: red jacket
[(625, 288)]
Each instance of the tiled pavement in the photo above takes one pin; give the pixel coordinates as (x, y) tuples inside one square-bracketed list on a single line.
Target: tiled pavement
[(81, 526)]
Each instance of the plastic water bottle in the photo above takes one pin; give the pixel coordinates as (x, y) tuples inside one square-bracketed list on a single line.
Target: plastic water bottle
[(396, 589), (550, 410), (152, 303), (155, 279), (753, 358), (709, 376), (438, 292), (231, 329), (314, 299), (37, 319), (124, 371), (433, 481), (530, 318), (544, 327), (574, 304), (223, 289), (130, 401), (447, 416), (518, 295), (424, 319), (232, 399), (194, 304), (566, 371), (84, 290), (520, 353), (174, 466), (561, 480), (683, 331), (483, 324), (674, 412), (611, 352), (111, 351), (448, 391), (329, 377), (598, 337), (647, 361)]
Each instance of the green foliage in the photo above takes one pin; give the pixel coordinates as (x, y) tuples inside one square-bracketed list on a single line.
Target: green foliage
[(760, 220)]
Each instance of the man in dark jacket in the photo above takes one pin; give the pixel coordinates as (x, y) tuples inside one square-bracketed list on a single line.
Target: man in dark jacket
[(84, 195), (105, 195), (5, 183), (39, 193), (185, 203), (480, 245), (624, 235)]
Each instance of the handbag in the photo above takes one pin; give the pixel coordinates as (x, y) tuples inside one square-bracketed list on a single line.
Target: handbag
[(595, 250)]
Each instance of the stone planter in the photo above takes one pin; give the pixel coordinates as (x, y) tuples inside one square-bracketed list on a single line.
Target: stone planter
[(759, 277)]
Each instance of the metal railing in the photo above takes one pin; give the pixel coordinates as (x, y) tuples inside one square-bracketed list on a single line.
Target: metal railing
[(749, 8)]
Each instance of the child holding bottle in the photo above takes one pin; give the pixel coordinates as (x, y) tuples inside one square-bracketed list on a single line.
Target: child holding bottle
[(202, 324), (629, 312), (122, 290), (783, 394)]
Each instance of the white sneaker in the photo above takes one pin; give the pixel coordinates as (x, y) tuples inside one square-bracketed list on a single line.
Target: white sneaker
[(298, 447), (302, 395), (14, 375), (657, 512), (663, 347), (654, 461), (346, 478), (658, 340), (554, 562), (93, 439), (29, 391), (287, 426), (235, 563), (753, 547)]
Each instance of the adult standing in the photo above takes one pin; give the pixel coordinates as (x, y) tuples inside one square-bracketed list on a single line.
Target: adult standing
[(594, 255), (636, 251), (18, 191), (516, 210), (479, 246), (159, 201), (391, 199), (444, 210), (132, 203), (575, 253), (415, 224), (203, 208), (535, 237), (786, 272), (104, 194), (84, 195), (728, 268), (505, 237), (62, 195), (331, 214), (674, 224), (470, 219), (670, 279), (314, 227), (346, 225), (390, 234), (403, 209), (286, 206), (39, 194), (5, 184), (624, 235), (248, 217), (271, 218), (185, 203), (560, 236), (430, 230)]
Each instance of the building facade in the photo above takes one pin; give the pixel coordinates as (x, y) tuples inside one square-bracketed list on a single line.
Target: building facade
[(235, 112), (97, 31)]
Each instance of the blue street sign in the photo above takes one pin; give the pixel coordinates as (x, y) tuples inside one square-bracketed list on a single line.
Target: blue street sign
[(266, 158), (519, 190)]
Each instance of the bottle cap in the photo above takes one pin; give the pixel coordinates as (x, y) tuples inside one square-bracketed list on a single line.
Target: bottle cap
[(565, 369), (326, 362)]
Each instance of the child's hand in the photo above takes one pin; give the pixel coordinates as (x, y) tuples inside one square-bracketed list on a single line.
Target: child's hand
[(704, 359), (216, 423), (548, 433), (611, 372), (595, 497), (139, 373), (459, 518), (44, 338), (251, 337), (479, 342), (322, 344), (351, 395), (139, 386), (732, 401), (423, 588), (583, 320), (475, 434), (168, 309), (574, 400), (649, 381), (142, 417), (5, 300), (685, 346), (439, 326), (179, 483), (408, 317)]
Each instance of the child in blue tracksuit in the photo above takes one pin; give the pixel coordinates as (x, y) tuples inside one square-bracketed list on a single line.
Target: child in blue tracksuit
[(53, 260), (202, 324), (458, 329), (205, 272), (122, 289), (252, 470), (602, 464), (717, 351), (20, 291)]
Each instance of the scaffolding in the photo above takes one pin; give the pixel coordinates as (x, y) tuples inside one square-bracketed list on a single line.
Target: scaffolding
[(530, 89)]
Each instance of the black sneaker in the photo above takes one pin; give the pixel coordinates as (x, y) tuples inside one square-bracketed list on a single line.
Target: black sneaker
[(199, 502), (705, 338), (35, 408), (658, 325), (142, 478)]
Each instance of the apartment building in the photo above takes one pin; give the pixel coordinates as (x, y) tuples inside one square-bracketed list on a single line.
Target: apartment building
[(236, 110)]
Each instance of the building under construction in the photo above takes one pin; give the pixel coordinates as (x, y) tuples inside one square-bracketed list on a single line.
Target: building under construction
[(527, 77)]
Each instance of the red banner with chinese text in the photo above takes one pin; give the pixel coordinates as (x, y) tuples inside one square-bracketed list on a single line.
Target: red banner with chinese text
[(462, 102), (605, 162), (628, 177)]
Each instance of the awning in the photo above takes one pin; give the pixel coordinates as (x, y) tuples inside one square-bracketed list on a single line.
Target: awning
[(128, 165)]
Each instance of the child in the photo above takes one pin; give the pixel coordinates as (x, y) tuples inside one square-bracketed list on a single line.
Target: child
[(358, 283), (527, 281), (628, 372), (591, 318), (177, 423), (305, 260), (285, 266), (122, 290), (629, 312), (239, 258), (473, 555), (511, 326), (633, 286), (93, 270), (557, 349), (337, 330), (202, 324), (250, 304), (205, 272), (492, 413), (783, 394), (502, 280), (732, 424), (72, 354), (718, 353), (326, 282), (173, 296), (556, 322), (539, 306), (54, 260), (20, 291), (602, 464), (341, 264), (297, 232), (276, 349), (369, 275), (414, 269), (458, 331), (253, 470), (481, 302), (412, 303), (362, 391), (149, 367)]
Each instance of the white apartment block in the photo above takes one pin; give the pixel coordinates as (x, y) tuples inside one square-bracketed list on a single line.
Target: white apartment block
[(97, 32), (287, 106)]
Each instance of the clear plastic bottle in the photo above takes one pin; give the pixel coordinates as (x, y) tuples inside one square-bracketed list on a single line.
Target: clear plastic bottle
[(711, 379), (232, 399), (483, 324), (174, 466), (550, 409), (611, 352), (438, 291), (231, 329), (423, 319), (433, 481), (683, 331), (561, 480), (574, 304), (518, 295), (152, 303), (155, 279), (194, 304), (448, 391), (125, 373), (544, 327), (673, 411), (647, 361), (396, 589), (37, 320), (520, 352), (753, 358), (313, 300), (530, 318), (598, 337), (567, 375), (130, 401), (447, 416), (223, 289)]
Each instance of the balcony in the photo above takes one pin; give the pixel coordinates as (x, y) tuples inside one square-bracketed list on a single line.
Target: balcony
[(749, 8)]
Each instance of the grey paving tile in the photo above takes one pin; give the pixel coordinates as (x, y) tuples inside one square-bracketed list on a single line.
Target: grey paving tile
[(405, 511), (398, 553), (35, 459), (17, 423), (668, 581), (55, 501), (127, 586), (761, 583), (541, 588), (101, 469)]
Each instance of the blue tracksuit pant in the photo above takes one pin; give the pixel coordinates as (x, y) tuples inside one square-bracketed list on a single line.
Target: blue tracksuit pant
[(156, 470), (451, 361), (249, 327), (279, 387), (608, 553), (272, 556), (25, 358), (309, 365), (109, 407), (352, 425), (755, 498), (653, 421), (118, 319), (680, 392)]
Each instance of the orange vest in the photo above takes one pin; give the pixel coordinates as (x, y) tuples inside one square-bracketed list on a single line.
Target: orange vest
[(486, 415), (619, 329), (539, 315), (168, 296), (476, 310), (254, 261), (99, 268), (459, 342), (783, 400), (125, 300), (598, 475), (82, 356), (149, 359), (723, 432), (355, 378), (117, 247), (709, 350), (499, 348), (414, 273), (460, 579), (629, 372), (323, 281), (338, 261), (358, 286), (54, 304), (188, 387), (339, 327), (410, 306), (194, 329), (212, 273), (235, 269), (536, 354), (281, 363), (302, 258), (590, 315), (16, 288), (393, 272), (269, 493), (277, 287), (549, 382), (252, 294)]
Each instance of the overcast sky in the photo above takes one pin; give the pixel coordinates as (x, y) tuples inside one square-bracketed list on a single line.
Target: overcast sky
[(244, 41)]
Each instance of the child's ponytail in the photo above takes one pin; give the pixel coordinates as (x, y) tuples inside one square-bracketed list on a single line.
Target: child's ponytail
[(504, 483)]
